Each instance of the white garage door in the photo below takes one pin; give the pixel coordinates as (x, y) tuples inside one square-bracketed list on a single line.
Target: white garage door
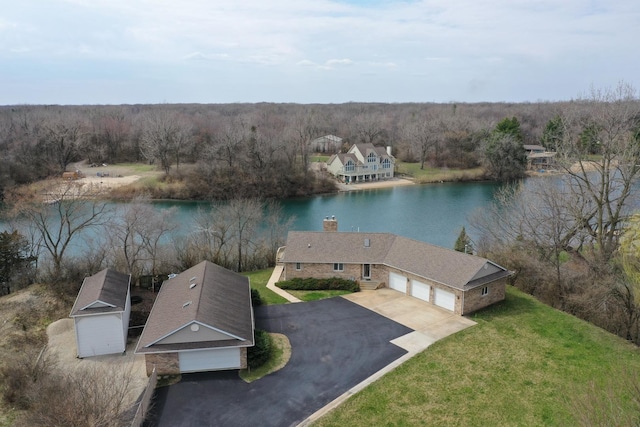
[(209, 360), (420, 290), (398, 282), (445, 299)]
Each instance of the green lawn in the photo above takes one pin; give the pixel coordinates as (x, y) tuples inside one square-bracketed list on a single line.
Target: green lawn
[(319, 158), (436, 174), (524, 364), (258, 280), (316, 295)]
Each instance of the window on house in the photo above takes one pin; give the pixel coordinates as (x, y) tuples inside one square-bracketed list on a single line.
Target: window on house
[(298, 266), (485, 291), (349, 167), (338, 266), (372, 158), (386, 164)]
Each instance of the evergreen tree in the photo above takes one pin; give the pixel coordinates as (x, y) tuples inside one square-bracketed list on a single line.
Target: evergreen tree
[(463, 242)]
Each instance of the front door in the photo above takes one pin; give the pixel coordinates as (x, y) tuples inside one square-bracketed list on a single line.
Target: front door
[(366, 271)]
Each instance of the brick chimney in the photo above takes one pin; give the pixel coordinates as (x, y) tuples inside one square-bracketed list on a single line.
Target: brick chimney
[(330, 224)]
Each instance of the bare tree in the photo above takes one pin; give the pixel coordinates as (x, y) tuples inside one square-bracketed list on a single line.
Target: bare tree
[(165, 138), (422, 132), (59, 213), (136, 231), (604, 184)]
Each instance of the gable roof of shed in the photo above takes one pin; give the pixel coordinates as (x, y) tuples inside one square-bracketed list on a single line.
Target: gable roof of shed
[(108, 287), (220, 300), (446, 266)]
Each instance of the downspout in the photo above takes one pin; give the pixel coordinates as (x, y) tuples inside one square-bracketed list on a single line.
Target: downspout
[(462, 307)]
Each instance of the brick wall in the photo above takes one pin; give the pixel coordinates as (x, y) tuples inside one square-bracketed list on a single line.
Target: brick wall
[(165, 363), (243, 358), (474, 300)]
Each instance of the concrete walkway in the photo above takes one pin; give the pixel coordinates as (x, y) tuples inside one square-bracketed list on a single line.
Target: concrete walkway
[(429, 323), (271, 284)]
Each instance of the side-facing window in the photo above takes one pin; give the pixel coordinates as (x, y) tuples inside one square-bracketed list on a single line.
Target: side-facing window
[(298, 266), (485, 291), (338, 266)]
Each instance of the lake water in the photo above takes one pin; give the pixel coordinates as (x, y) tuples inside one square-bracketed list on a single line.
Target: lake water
[(433, 213)]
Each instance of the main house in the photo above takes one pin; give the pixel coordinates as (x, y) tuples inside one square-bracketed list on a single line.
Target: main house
[(458, 282), (202, 320), (363, 162)]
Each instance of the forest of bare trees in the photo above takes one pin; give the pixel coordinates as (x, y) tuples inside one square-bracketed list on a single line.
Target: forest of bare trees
[(256, 150)]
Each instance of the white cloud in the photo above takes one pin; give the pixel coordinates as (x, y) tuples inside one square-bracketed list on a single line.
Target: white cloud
[(455, 44)]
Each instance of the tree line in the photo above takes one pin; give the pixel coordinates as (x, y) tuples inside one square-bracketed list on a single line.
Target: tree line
[(222, 150), (570, 238)]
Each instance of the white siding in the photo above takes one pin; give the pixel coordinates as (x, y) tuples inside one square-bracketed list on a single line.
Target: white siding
[(100, 334), (210, 360)]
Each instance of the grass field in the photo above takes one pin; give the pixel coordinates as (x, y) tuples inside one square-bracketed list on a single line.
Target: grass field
[(524, 363), (316, 295), (258, 280), (437, 174)]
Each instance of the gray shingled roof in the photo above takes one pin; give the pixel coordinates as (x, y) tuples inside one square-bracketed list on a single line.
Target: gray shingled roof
[(220, 300), (446, 266), (107, 287)]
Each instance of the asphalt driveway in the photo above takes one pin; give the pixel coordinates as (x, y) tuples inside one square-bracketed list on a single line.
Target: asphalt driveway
[(335, 343)]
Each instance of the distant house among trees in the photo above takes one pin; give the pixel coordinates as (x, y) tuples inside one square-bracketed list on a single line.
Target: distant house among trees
[(327, 144), (363, 162), (538, 158)]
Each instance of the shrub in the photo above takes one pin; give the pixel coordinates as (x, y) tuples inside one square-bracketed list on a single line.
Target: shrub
[(260, 352), (311, 284), (256, 299)]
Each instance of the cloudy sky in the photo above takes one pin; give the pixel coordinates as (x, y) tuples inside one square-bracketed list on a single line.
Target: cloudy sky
[(313, 51)]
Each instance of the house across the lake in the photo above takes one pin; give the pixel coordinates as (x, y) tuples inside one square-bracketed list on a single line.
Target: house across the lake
[(455, 281), (538, 158), (327, 144), (362, 163)]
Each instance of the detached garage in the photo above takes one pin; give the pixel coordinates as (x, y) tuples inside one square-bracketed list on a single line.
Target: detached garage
[(101, 314), (202, 320)]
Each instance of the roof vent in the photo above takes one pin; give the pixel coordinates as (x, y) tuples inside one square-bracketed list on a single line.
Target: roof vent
[(193, 278), (309, 245), (172, 275), (186, 304), (193, 285), (367, 243)]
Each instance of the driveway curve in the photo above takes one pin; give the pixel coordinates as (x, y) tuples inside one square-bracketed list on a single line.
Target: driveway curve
[(335, 343)]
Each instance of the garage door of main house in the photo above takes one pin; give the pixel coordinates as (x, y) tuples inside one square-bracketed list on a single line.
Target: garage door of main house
[(398, 282), (209, 360)]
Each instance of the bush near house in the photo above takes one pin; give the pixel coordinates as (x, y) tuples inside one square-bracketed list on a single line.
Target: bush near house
[(256, 299), (259, 353), (311, 284)]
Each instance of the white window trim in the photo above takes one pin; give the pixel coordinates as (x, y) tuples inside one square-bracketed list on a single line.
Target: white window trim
[(298, 266), (338, 266), (484, 291)]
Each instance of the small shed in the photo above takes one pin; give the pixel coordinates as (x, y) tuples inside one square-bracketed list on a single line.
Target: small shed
[(101, 313)]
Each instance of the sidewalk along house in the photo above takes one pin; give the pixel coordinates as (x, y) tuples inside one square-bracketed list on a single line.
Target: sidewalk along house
[(452, 280), (101, 314), (327, 144), (363, 162), (202, 320), (538, 158)]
